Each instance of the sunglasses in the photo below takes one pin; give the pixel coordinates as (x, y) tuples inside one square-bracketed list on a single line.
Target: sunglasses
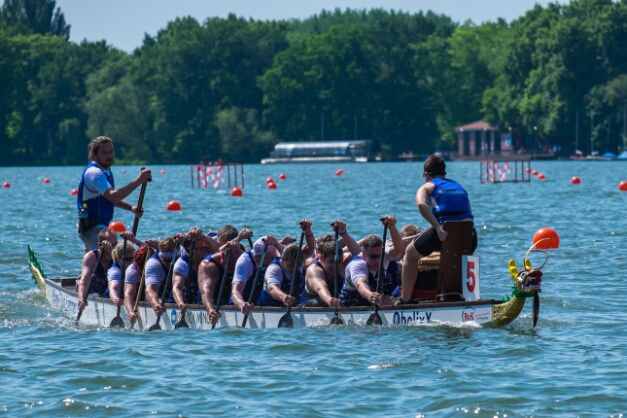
[(374, 256)]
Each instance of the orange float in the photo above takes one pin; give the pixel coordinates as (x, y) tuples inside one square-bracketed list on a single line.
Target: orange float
[(546, 239), (173, 206), (527, 170), (575, 180), (74, 192), (162, 171), (117, 226), (272, 186), (622, 186), (541, 176), (269, 180), (282, 176), (237, 192), (339, 172), (46, 180), (534, 173), (6, 185)]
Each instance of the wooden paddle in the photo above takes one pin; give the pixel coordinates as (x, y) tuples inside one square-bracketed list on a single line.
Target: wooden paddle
[(222, 286), (336, 320), (80, 313), (182, 323), (140, 203), (164, 295), (142, 283), (118, 321), (375, 318), (252, 290), (286, 320)]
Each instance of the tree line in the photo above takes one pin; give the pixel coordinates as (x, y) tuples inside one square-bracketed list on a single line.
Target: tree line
[(231, 87)]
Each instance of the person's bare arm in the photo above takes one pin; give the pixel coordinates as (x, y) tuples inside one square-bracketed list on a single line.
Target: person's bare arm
[(178, 287), (152, 295), (117, 196), (316, 282)]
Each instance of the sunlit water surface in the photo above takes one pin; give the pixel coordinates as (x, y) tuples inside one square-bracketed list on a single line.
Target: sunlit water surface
[(571, 364)]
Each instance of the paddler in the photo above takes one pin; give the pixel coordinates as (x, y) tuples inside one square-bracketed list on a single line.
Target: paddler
[(114, 274), (320, 275), (362, 271), (246, 269), (93, 278), (97, 195), (439, 200), (157, 269), (229, 233), (132, 280), (279, 274), (210, 275)]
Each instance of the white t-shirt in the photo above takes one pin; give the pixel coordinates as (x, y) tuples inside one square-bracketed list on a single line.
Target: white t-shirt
[(244, 268), (114, 274), (274, 275), (95, 183), (154, 272), (181, 267), (358, 268), (132, 274)]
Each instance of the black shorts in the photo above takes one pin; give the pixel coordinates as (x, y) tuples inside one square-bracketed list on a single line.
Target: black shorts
[(428, 242)]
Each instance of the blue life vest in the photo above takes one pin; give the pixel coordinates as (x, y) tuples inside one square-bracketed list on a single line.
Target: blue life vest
[(99, 283), (100, 208), (266, 299), (450, 201)]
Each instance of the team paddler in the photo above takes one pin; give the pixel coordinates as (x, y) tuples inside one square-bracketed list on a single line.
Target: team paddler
[(96, 263), (157, 268), (97, 195), (440, 199)]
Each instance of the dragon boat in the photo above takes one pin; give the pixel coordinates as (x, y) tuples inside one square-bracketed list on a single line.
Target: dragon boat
[(454, 298)]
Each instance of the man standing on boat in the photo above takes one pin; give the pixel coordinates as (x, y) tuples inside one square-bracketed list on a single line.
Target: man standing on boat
[(439, 200), (97, 195)]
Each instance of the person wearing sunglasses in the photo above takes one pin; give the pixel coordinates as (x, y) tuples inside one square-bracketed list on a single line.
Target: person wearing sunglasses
[(439, 200), (362, 271), (157, 269)]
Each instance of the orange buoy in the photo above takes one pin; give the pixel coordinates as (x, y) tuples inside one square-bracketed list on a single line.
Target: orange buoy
[(541, 176), (527, 170), (162, 171), (534, 173), (6, 185), (546, 238), (123, 171), (269, 180), (272, 186), (282, 176), (237, 192), (339, 172), (74, 192), (173, 206), (622, 186), (46, 180), (575, 180), (117, 226)]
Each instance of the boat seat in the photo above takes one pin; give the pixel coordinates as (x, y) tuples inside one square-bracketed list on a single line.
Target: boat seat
[(458, 242)]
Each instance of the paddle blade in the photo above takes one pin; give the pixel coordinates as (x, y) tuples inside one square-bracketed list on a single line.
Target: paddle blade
[(336, 320), (286, 321), (374, 319), (154, 327), (536, 308), (117, 322), (181, 324)]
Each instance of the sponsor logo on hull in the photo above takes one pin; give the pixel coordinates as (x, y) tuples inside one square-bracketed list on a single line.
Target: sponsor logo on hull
[(415, 316)]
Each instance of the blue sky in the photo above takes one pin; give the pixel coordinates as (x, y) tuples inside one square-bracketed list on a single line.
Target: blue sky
[(123, 23)]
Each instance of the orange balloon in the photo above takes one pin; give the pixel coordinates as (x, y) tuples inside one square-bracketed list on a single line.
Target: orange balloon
[(622, 186), (74, 192), (117, 226), (237, 192), (575, 180), (546, 238), (282, 176), (173, 206), (541, 177), (272, 186)]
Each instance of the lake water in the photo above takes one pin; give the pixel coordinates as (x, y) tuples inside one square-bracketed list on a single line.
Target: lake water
[(571, 364)]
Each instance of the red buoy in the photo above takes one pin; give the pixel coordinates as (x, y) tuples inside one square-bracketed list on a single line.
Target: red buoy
[(339, 172), (46, 180), (6, 185), (534, 173), (117, 226), (74, 192), (237, 192), (622, 186), (282, 176), (173, 206), (575, 180), (162, 171), (269, 180), (272, 186), (546, 238), (541, 176), (527, 170)]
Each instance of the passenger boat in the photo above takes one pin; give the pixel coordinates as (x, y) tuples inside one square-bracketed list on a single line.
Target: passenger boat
[(100, 312)]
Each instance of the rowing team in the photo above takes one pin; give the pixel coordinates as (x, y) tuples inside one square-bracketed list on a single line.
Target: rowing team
[(202, 268)]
